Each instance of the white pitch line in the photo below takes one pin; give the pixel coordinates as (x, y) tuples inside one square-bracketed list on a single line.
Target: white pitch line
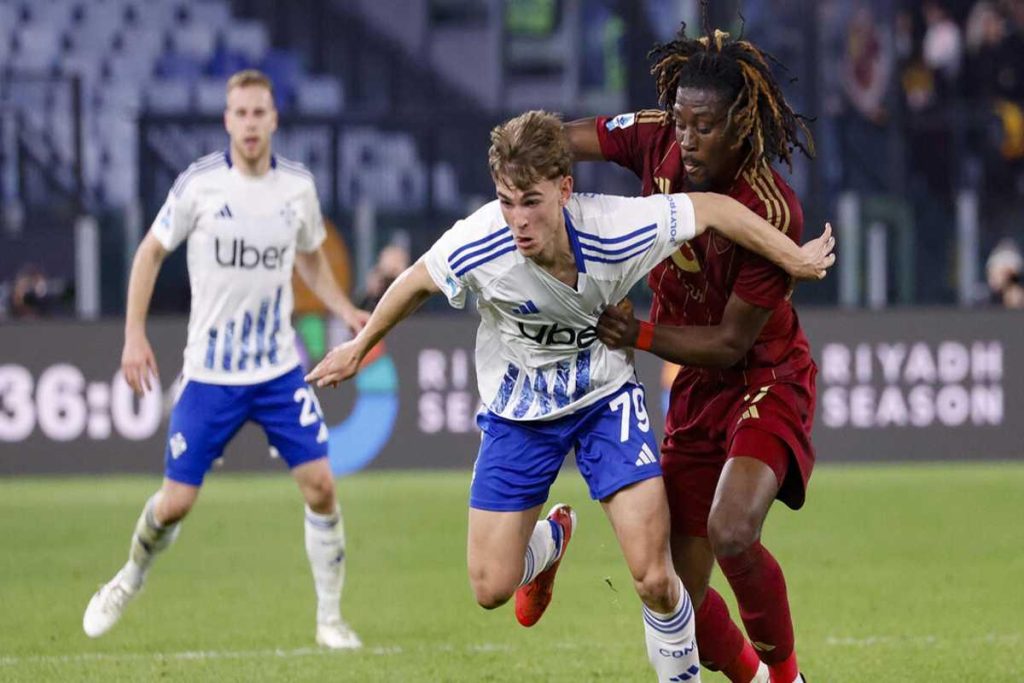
[(188, 655), (923, 640)]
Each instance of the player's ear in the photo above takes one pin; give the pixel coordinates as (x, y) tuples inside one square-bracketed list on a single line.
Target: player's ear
[(565, 190)]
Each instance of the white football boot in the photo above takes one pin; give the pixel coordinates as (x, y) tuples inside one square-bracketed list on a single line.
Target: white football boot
[(337, 636), (107, 605)]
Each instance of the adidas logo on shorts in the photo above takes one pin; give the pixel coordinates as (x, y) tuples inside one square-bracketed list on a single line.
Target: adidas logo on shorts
[(646, 457)]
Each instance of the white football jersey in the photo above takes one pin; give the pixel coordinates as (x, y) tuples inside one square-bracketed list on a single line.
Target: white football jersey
[(537, 354), (242, 234)]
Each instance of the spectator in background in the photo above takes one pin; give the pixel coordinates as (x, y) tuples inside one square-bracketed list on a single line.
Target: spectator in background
[(391, 262), (866, 75), (943, 45), (995, 55), (33, 294), (1003, 272)]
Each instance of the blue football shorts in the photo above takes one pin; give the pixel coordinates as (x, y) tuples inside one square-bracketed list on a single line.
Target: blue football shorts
[(206, 417), (518, 461)]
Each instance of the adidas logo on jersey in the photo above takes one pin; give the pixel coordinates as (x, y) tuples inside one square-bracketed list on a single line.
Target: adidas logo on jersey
[(528, 308), (178, 445), (225, 212), (645, 457)]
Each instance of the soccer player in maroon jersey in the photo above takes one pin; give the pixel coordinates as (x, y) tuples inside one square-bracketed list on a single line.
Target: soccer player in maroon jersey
[(737, 434)]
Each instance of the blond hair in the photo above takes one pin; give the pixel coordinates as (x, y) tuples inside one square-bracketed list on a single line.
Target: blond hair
[(529, 148), (250, 77)]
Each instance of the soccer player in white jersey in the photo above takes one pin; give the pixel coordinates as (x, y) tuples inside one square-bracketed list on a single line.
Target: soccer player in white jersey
[(249, 218), (543, 263)]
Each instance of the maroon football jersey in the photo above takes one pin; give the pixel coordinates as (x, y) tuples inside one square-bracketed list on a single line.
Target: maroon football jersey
[(693, 285)]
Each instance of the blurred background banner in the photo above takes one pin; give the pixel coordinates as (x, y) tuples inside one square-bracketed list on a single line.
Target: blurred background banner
[(893, 386), (917, 107)]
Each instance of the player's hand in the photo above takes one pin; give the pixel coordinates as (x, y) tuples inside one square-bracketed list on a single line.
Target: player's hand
[(138, 364), (340, 363), (617, 328), (356, 319), (818, 256)]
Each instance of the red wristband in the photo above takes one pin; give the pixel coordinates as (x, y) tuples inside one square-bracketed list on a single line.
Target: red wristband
[(645, 336)]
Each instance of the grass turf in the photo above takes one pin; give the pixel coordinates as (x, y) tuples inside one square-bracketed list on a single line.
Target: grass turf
[(894, 573)]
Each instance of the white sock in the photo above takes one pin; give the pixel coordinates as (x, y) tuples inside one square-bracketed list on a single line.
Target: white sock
[(325, 547), (671, 644), (149, 538), (542, 550)]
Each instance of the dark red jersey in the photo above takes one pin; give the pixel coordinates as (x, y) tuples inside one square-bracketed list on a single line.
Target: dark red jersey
[(693, 285)]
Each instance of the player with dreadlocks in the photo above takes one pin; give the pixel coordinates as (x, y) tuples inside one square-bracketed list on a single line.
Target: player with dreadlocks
[(737, 434)]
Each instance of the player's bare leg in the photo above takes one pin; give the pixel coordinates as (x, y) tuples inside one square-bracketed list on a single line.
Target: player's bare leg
[(744, 495), (325, 547), (496, 553), (639, 517), (155, 530), (723, 647)]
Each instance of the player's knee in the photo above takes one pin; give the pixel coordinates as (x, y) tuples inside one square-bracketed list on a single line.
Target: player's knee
[(655, 587), (491, 595), (490, 591), (171, 508), (732, 535), (319, 493)]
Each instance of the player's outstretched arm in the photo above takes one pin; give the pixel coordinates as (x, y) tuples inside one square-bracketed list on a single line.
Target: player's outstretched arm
[(583, 141), (744, 227), (138, 364), (404, 296), (315, 271)]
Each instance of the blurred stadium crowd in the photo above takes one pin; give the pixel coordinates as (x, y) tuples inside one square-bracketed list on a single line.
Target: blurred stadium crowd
[(918, 110)]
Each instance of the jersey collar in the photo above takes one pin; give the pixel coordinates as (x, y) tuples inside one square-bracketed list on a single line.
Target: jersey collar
[(574, 242), (227, 158)]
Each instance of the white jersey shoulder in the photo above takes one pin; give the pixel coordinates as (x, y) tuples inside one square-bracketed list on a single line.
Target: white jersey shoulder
[(474, 251), (243, 233), (624, 237)]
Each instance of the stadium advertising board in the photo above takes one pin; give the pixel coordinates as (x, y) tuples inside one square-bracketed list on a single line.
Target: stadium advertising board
[(896, 385)]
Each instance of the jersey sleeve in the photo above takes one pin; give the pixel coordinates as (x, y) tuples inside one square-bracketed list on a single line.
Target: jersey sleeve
[(442, 261), (176, 218), (638, 233), (760, 282), (312, 232), (625, 139)]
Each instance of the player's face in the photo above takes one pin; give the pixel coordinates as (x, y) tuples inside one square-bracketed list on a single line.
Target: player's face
[(250, 119), (535, 215), (705, 141)]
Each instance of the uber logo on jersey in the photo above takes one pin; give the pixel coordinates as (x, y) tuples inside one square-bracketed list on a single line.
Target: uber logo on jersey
[(238, 254), (552, 335)]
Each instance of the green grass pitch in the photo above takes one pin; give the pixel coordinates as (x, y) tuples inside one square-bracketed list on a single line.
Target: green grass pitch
[(895, 574)]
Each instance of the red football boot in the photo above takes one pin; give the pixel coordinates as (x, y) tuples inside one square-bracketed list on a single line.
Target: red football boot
[(533, 598)]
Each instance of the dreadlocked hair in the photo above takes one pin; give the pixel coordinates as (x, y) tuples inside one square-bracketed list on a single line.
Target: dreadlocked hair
[(758, 110)]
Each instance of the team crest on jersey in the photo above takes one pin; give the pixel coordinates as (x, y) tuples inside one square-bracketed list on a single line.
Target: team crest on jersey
[(620, 121)]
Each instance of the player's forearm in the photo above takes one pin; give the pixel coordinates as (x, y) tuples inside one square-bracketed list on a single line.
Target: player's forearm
[(706, 347), (583, 140), (145, 267), (744, 227), (402, 298), (315, 271)]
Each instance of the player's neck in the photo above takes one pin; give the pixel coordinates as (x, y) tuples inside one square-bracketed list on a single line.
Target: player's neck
[(558, 259), (255, 168)]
